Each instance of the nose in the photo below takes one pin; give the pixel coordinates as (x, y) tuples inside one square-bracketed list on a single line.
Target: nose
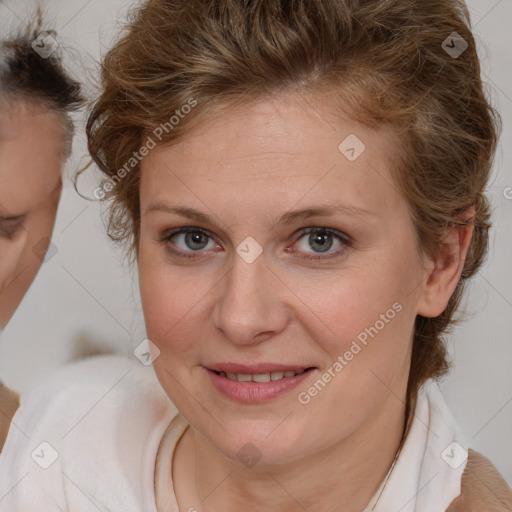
[(250, 308)]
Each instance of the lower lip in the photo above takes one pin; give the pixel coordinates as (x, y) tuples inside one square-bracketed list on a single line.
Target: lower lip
[(256, 392)]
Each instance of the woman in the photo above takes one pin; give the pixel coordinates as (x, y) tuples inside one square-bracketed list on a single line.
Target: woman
[(36, 97), (303, 188)]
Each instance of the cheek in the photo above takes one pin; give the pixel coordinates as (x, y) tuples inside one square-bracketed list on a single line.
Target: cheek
[(350, 306), (364, 321), (172, 303), (368, 352)]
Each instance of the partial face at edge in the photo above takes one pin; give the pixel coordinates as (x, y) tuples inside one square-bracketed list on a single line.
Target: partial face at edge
[(321, 281), (31, 158)]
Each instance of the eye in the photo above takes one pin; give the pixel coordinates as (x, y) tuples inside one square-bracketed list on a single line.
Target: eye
[(319, 241), (189, 240), (9, 228)]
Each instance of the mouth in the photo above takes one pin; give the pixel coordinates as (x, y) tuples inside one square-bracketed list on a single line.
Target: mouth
[(256, 384), (261, 377)]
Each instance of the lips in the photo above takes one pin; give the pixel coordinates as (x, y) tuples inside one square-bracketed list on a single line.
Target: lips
[(256, 383)]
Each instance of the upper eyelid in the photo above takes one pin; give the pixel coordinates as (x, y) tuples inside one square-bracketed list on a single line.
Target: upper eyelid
[(173, 232), (12, 218), (344, 238), (13, 221), (179, 231)]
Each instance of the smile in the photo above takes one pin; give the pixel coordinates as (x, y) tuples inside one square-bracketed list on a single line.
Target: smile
[(256, 384), (260, 377)]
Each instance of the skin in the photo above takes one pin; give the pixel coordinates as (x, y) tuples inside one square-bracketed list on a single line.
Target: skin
[(245, 169), (31, 159)]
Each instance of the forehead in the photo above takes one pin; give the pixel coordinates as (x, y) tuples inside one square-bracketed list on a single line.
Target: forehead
[(31, 144), (285, 144)]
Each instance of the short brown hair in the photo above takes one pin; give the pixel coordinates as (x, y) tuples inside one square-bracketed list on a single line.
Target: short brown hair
[(26, 77), (390, 62)]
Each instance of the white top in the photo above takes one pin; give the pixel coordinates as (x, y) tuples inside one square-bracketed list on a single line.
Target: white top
[(87, 441), (95, 427)]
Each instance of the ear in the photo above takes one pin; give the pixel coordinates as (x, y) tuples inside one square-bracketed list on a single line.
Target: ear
[(445, 270)]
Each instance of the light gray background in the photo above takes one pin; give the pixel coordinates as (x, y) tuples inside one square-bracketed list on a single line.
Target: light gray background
[(85, 291)]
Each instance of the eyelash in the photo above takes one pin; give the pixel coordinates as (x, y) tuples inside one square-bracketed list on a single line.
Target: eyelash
[(186, 254), (344, 239), (341, 237)]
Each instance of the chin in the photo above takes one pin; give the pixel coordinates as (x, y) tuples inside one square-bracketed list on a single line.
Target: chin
[(252, 443)]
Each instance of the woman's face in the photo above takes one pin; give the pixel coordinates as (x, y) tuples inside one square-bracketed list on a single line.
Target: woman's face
[(31, 156), (271, 242)]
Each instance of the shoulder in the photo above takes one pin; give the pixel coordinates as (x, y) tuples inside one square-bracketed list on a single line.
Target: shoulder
[(102, 416), (482, 488), (111, 385)]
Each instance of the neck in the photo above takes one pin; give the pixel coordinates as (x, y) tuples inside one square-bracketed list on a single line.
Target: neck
[(344, 477)]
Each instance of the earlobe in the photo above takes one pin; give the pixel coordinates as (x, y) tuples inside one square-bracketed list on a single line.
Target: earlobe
[(448, 265)]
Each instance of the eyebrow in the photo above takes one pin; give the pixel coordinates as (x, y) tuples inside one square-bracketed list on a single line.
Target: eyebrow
[(286, 219)]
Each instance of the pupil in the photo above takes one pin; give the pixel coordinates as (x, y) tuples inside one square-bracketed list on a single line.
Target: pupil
[(196, 240), (320, 242)]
